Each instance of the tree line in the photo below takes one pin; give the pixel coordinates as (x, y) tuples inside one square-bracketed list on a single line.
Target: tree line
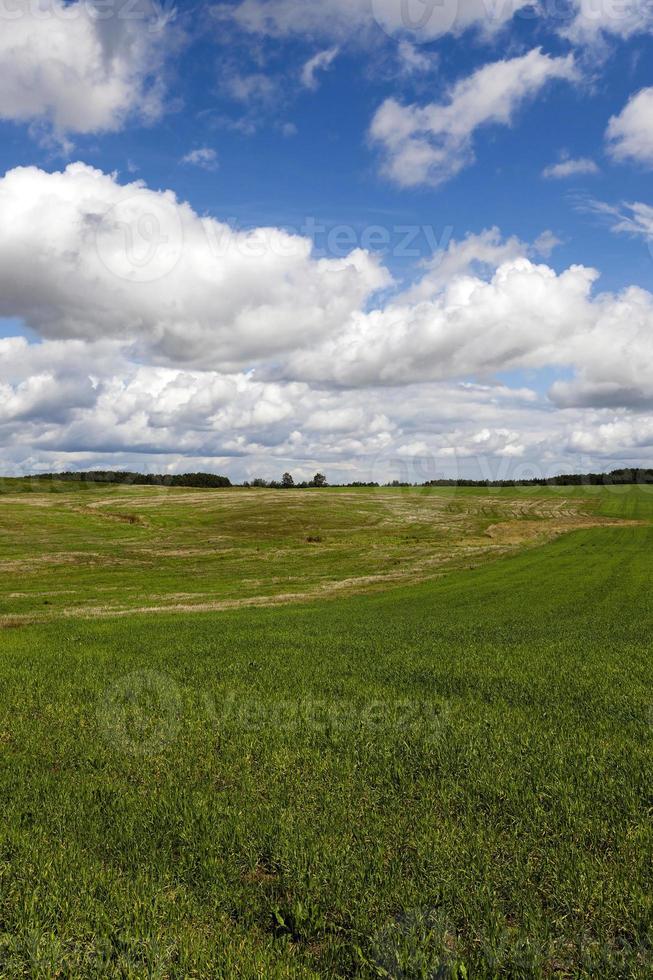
[(209, 480), (287, 482), (614, 478)]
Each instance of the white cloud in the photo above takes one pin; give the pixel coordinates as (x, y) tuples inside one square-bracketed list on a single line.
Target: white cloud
[(319, 62), (82, 256), (545, 244), (523, 316), (260, 97), (630, 134), (473, 255), (489, 442), (414, 61), (73, 397), (363, 20), (431, 144), (593, 21), (614, 357), (73, 404), (254, 87), (242, 347), (483, 307), (615, 437), (65, 66), (204, 157), (570, 168), (638, 222), (48, 383), (633, 218), (411, 449)]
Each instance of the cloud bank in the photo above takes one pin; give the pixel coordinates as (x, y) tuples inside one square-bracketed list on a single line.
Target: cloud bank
[(169, 335)]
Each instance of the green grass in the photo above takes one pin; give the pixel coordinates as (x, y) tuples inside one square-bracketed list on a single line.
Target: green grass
[(90, 550), (445, 776)]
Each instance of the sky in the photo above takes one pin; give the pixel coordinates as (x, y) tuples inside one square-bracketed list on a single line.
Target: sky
[(382, 239)]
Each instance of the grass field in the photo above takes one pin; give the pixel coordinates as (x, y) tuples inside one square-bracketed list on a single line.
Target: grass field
[(90, 551), (326, 733)]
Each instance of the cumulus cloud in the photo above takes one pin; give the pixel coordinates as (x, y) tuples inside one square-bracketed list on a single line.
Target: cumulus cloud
[(68, 403), (582, 166), (322, 61), (364, 19), (489, 442), (484, 306), (431, 144), (73, 397), (168, 337), (74, 404), (613, 438), (521, 317), (614, 357), (474, 254), (630, 134), (83, 257), (72, 68), (44, 385)]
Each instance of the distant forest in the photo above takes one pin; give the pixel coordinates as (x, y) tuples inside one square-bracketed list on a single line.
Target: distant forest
[(615, 478), (213, 481), (142, 479)]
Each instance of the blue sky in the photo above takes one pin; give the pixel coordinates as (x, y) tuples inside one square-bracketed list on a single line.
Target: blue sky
[(455, 269)]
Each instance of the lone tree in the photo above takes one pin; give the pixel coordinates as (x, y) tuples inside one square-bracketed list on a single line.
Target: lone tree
[(319, 480), (287, 481)]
